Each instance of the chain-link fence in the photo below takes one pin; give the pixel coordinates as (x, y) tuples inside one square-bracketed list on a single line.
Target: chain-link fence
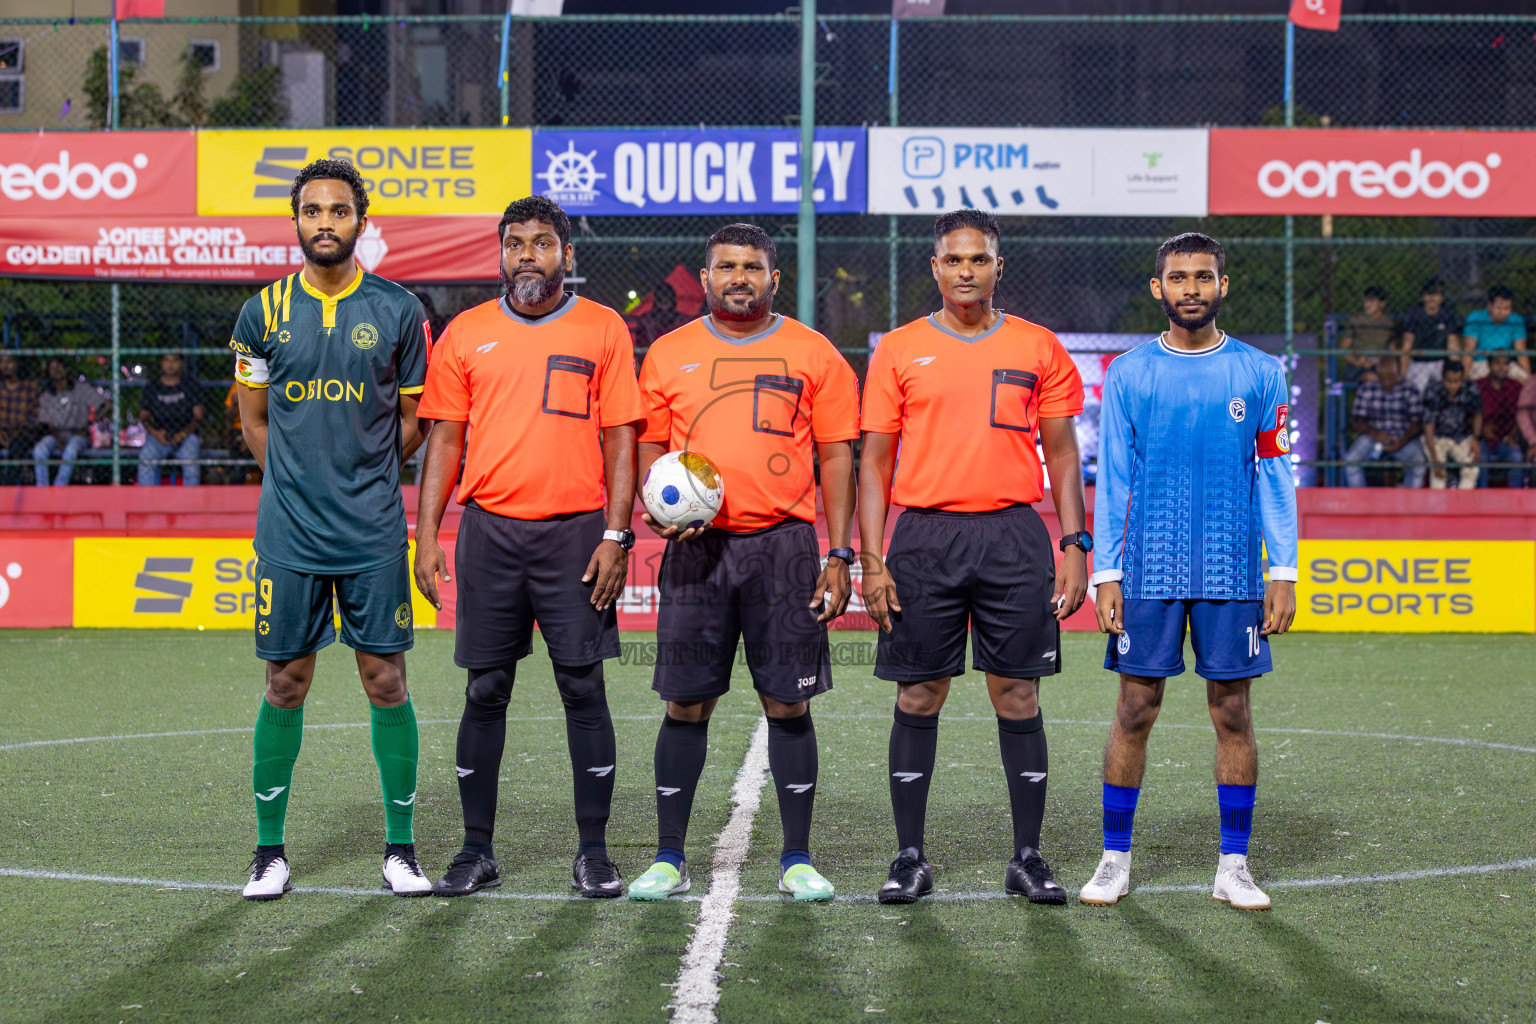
[(1085, 275)]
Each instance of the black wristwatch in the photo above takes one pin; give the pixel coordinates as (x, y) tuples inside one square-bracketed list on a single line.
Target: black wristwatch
[(846, 554), (1082, 539), (623, 538)]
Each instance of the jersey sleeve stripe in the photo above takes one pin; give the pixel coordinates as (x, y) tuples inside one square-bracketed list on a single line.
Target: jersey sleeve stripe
[(287, 295), (418, 389), (253, 387)]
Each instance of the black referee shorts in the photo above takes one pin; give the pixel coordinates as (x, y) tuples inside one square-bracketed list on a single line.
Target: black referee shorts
[(755, 587), (515, 572), (992, 570)]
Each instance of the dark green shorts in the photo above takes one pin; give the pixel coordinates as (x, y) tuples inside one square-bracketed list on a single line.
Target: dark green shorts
[(294, 615)]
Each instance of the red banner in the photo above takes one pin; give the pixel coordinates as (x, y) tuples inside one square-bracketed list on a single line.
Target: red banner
[(111, 174), (37, 586), (418, 249), (1373, 173), (1321, 14)]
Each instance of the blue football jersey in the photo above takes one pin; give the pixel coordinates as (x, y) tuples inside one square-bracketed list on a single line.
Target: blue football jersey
[(1194, 471)]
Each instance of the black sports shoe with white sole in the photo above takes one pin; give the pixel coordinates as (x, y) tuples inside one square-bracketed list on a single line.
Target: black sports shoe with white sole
[(910, 878), (596, 877), (469, 873), (1030, 876)]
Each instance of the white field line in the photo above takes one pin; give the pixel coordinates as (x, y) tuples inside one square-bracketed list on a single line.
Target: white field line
[(697, 991)]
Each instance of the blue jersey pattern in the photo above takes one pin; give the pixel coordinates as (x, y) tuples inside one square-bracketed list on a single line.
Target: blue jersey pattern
[(1193, 473)]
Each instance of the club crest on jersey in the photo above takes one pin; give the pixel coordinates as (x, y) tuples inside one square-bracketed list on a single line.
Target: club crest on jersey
[(1238, 408), (365, 336)]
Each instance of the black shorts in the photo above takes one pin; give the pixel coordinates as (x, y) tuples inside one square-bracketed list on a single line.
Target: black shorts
[(992, 570), (295, 615), (515, 572), (755, 587)]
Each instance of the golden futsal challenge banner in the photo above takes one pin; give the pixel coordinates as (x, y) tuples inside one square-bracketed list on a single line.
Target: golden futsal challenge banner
[(176, 583), (409, 171), (1412, 586)]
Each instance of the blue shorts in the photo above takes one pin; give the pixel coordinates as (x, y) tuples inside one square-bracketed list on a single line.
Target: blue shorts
[(1225, 634)]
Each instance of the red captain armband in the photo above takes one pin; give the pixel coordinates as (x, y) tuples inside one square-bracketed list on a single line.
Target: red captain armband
[(1276, 442)]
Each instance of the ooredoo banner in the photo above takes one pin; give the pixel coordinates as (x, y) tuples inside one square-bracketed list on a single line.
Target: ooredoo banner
[(1375, 173), (114, 174), (414, 249)]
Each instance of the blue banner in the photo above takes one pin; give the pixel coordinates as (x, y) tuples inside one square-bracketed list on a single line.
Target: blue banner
[(714, 170)]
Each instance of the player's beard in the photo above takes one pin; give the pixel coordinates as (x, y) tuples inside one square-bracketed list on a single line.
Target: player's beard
[(1194, 323), (526, 291), (758, 308), (336, 257)]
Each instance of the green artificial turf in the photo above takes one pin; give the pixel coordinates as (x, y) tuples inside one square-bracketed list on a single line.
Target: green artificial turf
[(1331, 806)]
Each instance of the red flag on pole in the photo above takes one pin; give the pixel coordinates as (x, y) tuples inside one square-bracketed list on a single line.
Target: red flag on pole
[(140, 8), (1323, 14)]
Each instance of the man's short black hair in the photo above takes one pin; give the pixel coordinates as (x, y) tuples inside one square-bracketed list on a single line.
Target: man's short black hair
[(1498, 292), (1376, 291), (1191, 243), (542, 209), (956, 220), (1452, 366), (1434, 286), (749, 235), (331, 170)]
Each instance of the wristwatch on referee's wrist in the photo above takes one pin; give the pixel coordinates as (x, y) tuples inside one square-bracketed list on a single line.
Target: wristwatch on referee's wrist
[(846, 554), (1082, 539), (623, 538)]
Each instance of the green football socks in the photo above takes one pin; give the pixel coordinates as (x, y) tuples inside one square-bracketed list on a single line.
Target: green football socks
[(279, 732), (394, 748)]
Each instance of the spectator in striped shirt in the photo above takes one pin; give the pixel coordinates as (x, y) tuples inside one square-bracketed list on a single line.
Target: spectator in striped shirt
[(1388, 416)]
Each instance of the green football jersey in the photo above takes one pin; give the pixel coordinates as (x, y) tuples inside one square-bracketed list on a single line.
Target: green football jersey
[(334, 369)]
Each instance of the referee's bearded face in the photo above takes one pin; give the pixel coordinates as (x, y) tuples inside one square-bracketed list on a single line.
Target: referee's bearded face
[(738, 283), (1191, 289), (966, 266), (533, 263), (327, 222)]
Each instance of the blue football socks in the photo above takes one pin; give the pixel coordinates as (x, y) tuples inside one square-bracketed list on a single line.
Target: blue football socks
[(1236, 804), (1119, 815)]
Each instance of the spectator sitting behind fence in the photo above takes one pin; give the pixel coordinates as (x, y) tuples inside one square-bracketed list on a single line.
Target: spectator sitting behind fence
[(18, 415), (1387, 415), (1371, 329), (1453, 423), (172, 413), (1525, 416), (1495, 327), (1501, 435), (1429, 326), (64, 411)]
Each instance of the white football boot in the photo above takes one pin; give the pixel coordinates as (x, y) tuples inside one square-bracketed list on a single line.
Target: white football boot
[(1111, 881), (403, 877), (1235, 885), (269, 878)]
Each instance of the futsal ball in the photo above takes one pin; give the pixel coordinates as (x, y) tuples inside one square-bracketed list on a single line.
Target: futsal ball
[(683, 489)]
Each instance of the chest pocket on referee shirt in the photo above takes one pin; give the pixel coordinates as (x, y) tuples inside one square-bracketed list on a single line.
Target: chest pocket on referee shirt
[(568, 386), (776, 403), (1013, 396)]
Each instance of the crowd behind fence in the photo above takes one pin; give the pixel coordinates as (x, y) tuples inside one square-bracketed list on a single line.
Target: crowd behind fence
[(1070, 274)]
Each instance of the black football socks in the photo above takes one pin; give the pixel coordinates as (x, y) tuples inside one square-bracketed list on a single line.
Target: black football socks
[(792, 759), (482, 737), (914, 746), (680, 751), (589, 735), (1025, 761)]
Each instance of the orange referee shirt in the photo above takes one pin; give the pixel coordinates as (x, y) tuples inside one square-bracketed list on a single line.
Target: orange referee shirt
[(968, 410), (534, 393), (754, 407)]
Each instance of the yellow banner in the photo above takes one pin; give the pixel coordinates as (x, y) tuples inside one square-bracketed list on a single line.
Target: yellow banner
[(176, 583), (1413, 586), (409, 171)]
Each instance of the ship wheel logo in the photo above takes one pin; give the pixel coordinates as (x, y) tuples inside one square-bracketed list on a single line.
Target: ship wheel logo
[(571, 176)]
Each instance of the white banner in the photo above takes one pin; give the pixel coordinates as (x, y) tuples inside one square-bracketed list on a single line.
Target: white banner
[(1040, 172)]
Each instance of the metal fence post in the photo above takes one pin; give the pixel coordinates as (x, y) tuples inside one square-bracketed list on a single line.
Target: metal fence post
[(112, 104), (1290, 219), (503, 78), (806, 228), (117, 383), (895, 97)]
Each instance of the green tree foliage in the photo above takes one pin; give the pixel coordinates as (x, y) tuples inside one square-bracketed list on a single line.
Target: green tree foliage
[(255, 98)]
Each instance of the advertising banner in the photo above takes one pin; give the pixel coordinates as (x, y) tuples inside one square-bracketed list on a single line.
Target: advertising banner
[(1385, 173), (35, 588), (176, 583), (414, 249), (1410, 586), (727, 171), (1039, 172), (106, 174), (420, 171)]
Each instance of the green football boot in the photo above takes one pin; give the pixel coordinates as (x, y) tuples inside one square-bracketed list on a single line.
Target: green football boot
[(660, 881), (804, 882)]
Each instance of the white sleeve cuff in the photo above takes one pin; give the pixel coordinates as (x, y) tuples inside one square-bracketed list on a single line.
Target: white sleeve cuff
[(250, 370), (1106, 576), (1280, 572)]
